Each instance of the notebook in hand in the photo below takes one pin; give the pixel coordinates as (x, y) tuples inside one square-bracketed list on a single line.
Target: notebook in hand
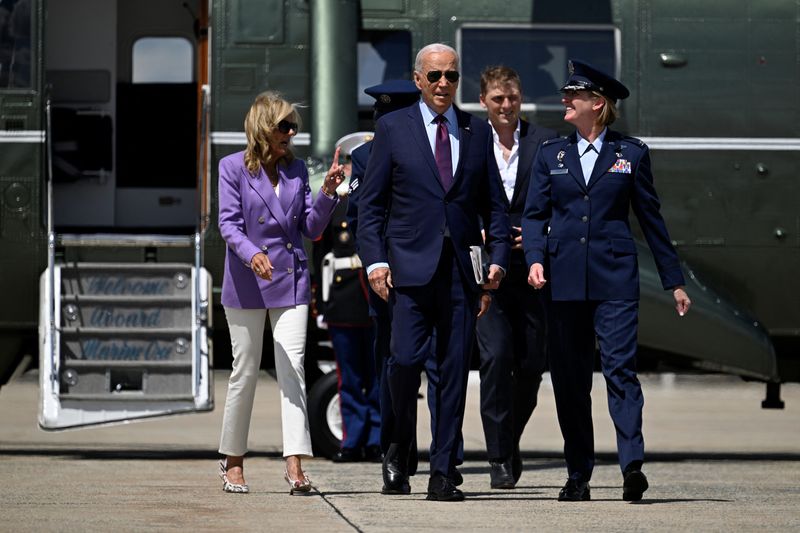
[(480, 264)]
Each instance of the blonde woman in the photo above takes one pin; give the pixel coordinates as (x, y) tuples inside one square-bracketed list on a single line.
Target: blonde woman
[(265, 210)]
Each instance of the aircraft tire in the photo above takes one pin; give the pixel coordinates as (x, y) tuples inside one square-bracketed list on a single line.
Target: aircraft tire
[(325, 417)]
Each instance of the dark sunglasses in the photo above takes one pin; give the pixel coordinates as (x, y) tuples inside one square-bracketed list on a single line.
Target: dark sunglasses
[(435, 75), (284, 126)]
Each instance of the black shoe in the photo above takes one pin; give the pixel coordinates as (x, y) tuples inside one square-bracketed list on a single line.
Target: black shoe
[(501, 475), (516, 464), (395, 470), (442, 489), (634, 485), (575, 491), (348, 455), (456, 477), (373, 454)]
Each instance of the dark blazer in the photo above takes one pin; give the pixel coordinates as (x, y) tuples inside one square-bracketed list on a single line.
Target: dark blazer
[(583, 229), (404, 210), (530, 137), (359, 158)]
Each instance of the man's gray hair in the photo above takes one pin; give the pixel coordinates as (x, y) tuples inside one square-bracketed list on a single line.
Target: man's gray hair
[(431, 48)]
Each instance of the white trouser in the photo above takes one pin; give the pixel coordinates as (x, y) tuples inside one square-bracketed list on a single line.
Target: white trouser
[(289, 335)]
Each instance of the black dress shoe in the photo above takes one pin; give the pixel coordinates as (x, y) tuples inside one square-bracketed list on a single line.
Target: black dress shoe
[(516, 464), (501, 475), (395, 470), (347, 455), (442, 489), (575, 491), (373, 454), (634, 485), (456, 477)]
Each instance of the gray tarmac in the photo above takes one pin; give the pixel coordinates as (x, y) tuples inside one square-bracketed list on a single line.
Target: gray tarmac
[(716, 462)]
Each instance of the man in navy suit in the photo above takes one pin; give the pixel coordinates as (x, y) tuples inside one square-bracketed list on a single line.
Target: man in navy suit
[(389, 96), (430, 182), (511, 336), (576, 228)]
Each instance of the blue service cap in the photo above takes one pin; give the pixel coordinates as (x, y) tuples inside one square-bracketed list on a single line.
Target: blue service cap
[(392, 95), (583, 76)]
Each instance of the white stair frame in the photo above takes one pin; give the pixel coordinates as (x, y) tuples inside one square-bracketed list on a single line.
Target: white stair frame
[(56, 414)]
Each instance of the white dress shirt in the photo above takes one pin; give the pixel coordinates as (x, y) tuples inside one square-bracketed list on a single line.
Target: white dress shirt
[(508, 169), (589, 156)]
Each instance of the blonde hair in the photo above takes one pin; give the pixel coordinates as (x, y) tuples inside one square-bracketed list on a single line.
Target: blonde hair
[(267, 110), (609, 113)]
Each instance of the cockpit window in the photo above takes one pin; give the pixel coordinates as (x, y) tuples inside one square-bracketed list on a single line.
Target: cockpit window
[(539, 53), (382, 55), (162, 60)]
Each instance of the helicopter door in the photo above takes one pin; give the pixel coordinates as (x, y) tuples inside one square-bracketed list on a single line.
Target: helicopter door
[(125, 301)]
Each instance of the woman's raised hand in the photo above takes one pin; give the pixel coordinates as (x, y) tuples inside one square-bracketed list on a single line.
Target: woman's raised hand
[(335, 175)]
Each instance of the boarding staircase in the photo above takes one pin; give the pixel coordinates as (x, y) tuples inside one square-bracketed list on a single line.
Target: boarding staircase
[(124, 340), (123, 335)]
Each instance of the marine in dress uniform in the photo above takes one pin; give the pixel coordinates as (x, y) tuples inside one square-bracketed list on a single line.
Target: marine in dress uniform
[(346, 312), (577, 237)]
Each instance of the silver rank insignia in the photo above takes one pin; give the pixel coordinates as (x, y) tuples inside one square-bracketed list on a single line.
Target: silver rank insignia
[(354, 183)]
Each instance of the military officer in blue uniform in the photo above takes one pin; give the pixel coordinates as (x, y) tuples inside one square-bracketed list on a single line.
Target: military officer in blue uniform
[(577, 237)]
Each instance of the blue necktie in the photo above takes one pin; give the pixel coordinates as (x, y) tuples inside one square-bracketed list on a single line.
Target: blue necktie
[(588, 159), (444, 159)]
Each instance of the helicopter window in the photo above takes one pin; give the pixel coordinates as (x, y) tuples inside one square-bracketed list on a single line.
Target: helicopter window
[(15, 44), (538, 53), (162, 60), (382, 55)]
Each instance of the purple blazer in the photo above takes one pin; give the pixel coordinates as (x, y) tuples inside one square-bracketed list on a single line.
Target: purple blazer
[(253, 219)]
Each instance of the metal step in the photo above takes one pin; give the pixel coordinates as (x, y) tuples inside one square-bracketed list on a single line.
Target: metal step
[(173, 299), (97, 344), (87, 363), (171, 311), (125, 334), (127, 397), (126, 279), (112, 379), (124, 240)]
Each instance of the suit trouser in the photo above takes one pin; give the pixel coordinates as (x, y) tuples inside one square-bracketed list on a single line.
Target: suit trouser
[(289, 340), (358, 385), (379, 310), (573, 327), (445, 305), (512, 341)]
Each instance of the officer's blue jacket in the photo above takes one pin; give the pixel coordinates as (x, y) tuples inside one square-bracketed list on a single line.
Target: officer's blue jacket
[(581, 232)]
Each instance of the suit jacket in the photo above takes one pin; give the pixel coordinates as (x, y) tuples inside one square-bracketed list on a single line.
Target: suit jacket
[(404, 209), (583, 230), (253, 219), (530, 137)]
